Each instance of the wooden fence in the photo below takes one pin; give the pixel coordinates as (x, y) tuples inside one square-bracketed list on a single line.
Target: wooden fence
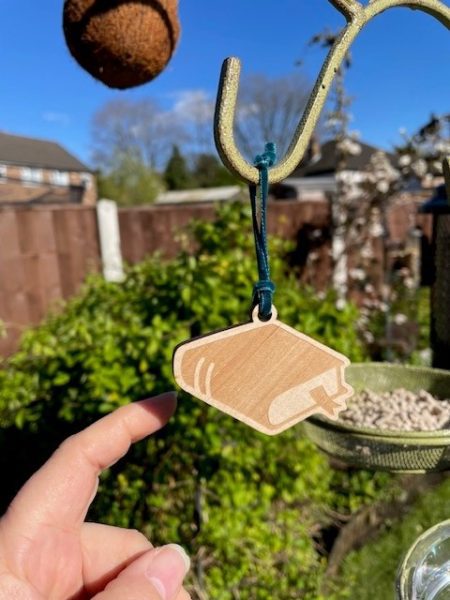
[(47, 251), (45, 254), (147, 229)]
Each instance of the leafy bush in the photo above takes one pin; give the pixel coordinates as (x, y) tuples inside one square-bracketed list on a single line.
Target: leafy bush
[(130, 182), (247, 507)]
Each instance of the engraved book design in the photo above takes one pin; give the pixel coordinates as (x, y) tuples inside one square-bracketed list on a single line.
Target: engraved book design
[(264, 373)]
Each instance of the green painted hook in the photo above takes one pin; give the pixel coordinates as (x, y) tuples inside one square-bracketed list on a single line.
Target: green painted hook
[(357, 16)]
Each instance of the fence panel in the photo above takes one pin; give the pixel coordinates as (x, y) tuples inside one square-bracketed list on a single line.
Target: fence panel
[(149, 228), (45, 254), (15, 309)]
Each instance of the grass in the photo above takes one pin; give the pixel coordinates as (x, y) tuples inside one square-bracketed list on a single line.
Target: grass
[(370, 573)]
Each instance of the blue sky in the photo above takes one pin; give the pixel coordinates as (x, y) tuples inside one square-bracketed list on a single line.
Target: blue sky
[(400, 71)]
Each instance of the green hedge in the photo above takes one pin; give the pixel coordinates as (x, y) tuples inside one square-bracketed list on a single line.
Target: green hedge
[(249, 508)]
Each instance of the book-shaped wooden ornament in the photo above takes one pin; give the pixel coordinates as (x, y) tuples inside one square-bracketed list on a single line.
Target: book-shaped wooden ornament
[(265, 374)]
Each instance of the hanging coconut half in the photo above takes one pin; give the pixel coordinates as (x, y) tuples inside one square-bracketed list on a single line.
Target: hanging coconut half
[(123, 43)]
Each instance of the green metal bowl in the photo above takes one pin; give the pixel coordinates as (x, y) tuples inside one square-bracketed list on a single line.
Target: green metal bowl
[(384, 450)]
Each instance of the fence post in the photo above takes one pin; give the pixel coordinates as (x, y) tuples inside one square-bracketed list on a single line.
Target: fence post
[(109, 233)]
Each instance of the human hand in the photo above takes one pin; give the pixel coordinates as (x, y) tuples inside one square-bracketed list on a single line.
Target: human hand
[(48, 552)]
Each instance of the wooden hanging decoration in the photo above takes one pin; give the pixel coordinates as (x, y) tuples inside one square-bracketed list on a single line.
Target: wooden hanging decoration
[(122, 43), (264, 373)]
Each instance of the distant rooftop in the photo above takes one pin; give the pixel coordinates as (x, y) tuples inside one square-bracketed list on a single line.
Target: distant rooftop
[(325, 162), (31, 152)]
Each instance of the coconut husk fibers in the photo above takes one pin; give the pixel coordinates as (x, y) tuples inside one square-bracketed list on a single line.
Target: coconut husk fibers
[(123, 43)]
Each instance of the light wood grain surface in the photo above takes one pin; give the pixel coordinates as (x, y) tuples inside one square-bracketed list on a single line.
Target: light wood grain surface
[(265, 374)]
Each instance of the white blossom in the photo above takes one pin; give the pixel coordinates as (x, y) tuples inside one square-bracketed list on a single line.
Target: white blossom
[(367, 251), (369, 337), (404, 160), (357, 274), (400, 319), (349, 146), (437, 166), (419, 167), (442, 147), (376, 229), (426, 356), (332, 122), (383, 186), (341, 304)]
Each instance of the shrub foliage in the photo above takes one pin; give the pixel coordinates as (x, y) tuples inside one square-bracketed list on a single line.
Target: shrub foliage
[(249, 508)]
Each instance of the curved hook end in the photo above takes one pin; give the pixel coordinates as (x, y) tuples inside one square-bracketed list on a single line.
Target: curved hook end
[(224, 122), (349, 8)]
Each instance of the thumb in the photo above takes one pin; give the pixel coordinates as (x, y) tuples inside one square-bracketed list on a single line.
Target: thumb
[(155, 575)]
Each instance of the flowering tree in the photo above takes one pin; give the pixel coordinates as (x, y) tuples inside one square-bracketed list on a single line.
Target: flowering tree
[(383, 276), (366, 267), (422, 154)]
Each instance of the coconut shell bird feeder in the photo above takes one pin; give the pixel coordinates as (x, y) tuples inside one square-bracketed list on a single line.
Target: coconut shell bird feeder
[(122, 43), (394, 451)]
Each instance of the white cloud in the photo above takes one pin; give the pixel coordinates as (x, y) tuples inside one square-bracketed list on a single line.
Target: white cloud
[(248, 110), (193, 106), (57, 118)]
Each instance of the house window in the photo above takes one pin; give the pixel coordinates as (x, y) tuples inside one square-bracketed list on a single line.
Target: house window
[(60, 178), (31, 176), (3, 173), (86, 180)]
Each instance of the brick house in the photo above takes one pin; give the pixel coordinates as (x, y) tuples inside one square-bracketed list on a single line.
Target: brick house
[(34, 171), (315, 177)]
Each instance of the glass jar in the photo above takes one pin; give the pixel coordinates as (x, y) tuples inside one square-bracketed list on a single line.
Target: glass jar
[(425, 571)]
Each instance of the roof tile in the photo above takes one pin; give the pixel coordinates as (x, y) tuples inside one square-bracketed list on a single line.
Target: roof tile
[(30, 152)]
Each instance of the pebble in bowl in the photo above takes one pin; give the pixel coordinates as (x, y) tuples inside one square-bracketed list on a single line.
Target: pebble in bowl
[(375, 433)]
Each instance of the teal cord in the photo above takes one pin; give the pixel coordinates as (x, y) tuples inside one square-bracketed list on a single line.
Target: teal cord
[(264, 289)]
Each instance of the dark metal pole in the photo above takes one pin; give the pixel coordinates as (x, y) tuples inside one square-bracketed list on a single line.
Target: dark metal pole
[(439, 278)]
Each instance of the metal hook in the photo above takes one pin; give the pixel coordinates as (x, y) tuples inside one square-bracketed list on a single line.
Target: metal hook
[(357, 16)]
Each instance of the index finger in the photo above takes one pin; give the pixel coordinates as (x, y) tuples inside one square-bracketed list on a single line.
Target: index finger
[(59, 494)]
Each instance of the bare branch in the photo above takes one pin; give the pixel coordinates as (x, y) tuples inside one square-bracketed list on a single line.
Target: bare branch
[(264, 114), (139, 129)]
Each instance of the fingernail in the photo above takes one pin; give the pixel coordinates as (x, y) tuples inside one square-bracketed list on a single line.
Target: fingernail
[(168, 569), (163, 396), (159, 401)]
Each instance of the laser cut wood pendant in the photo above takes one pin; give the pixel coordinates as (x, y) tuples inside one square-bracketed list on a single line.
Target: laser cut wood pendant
[(265, 374)]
